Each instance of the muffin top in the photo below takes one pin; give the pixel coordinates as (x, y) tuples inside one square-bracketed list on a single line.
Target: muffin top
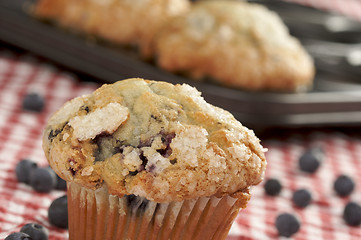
[(237, 44), (131, 22), (152, 139)]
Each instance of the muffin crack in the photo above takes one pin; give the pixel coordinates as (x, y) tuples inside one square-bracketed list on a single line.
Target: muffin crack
[(55, 132), (151, 155)]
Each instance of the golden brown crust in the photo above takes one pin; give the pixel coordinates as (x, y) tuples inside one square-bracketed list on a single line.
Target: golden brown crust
[(131, 22), (236, 43), (152, 139)]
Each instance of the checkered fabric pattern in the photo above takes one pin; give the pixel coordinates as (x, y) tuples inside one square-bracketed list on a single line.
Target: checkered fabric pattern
[(322, 219), (21, 136), (21, 133)]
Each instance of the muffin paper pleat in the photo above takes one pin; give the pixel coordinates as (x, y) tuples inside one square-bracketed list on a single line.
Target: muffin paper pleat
[(97, 215)]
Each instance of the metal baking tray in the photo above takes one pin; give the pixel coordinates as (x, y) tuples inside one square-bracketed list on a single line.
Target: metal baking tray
[(333, 40)]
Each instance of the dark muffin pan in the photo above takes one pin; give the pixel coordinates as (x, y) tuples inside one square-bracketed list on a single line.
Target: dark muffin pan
[(335, 99)]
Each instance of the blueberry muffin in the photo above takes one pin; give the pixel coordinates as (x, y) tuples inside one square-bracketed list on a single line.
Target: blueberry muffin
[(235, 44), (146, 158), (130, 22)]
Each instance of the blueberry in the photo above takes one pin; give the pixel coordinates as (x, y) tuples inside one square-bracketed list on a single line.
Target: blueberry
[(287, 224), (35, 231), (344, 185), (272, 187), (42, 179), (58, 212), (33, 102), (136, 204), (60, 183), (352, 214), (18, 236), (311, 159), (166, 140), (301, 198), (23, 169)]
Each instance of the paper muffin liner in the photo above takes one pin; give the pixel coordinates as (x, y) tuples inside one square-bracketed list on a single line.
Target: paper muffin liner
[(96, 215)]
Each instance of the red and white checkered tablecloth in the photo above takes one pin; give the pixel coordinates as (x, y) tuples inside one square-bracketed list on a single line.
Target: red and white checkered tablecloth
[(323, 218), (21, 136), (21, 132)]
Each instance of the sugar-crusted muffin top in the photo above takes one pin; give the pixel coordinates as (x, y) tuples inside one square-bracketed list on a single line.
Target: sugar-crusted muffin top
[(238, 44), (152, 139)]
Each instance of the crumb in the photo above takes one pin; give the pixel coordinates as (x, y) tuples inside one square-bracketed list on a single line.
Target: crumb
[(106, 119)]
